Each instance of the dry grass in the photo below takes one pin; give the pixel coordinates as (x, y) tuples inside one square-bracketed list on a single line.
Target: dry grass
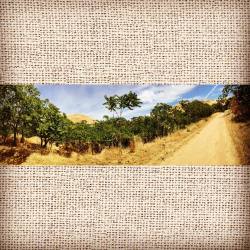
[(33, 139), (80, 118), (150, 153), (240, 132)]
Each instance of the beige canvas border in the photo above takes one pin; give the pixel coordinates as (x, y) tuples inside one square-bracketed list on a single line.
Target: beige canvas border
[(124, 208), (124, 41)]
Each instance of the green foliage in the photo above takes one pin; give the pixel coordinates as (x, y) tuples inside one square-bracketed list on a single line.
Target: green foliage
[(52, 124), (112, 131), (118, 104), (145, 127), (221, 105), (196, 110), (17, 102), (165, 119), (238, 97), (163, 115)]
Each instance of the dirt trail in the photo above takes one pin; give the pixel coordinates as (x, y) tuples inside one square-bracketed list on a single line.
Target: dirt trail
[(213, 145)]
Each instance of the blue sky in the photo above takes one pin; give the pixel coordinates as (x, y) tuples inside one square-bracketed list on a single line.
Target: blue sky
[(88, 99)]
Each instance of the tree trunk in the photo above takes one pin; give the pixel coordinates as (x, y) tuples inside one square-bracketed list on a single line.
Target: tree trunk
[(163, 131), (41, 142), (120, 149), (45, 143), (15, 138), (22, 138), (4, 139)]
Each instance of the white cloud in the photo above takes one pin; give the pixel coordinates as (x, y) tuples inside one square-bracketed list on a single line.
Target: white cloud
[(155, 94), (164, 93), (197, 97), (147, 96)]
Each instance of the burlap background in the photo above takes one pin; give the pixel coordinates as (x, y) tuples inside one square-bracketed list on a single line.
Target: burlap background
[(127, 41), (125, 208)]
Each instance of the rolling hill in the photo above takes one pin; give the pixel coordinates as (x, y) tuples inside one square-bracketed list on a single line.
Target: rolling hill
[(80, 117), (210, 102)]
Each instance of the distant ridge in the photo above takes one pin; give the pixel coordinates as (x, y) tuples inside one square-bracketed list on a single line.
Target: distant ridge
[(210, 102), (79, 117), (207, 101)]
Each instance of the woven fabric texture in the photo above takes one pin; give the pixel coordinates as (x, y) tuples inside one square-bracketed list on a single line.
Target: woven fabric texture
[(125, 41), (125, 208)]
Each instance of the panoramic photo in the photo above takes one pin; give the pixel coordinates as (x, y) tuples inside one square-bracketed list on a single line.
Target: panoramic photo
[(124, 124)]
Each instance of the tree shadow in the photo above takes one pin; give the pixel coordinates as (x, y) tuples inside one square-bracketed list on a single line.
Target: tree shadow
[(10, 155), (65, 153)]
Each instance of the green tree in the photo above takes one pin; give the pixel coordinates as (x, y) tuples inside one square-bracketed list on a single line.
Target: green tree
[(51, 124), (145, 127), (239, 96), (15, 107), (118, 104), (195, 110), (163, 116)]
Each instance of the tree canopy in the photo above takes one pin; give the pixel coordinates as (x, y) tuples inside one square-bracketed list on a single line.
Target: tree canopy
[(239, 96), (118, 104)]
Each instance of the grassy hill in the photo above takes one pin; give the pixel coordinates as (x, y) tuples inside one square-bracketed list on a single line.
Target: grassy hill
[(210, 102), (80, 117)]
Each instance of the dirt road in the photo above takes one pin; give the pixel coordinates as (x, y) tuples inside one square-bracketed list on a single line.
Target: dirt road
[(213, 145)]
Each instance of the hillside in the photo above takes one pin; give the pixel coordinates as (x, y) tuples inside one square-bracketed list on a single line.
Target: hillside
[(80, 117), (207, 101), (210, 102)]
